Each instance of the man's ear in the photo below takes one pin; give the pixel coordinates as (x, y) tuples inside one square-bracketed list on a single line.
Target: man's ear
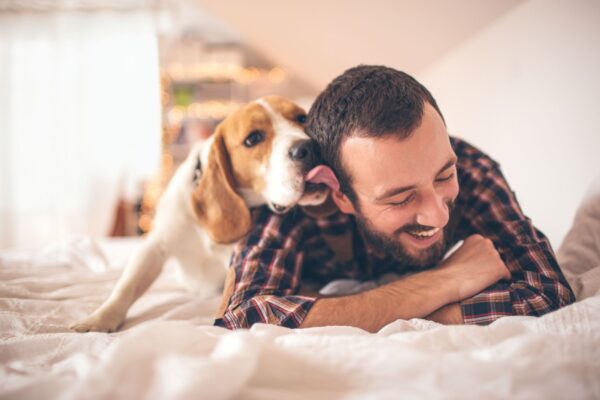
[(342, 202), (325, 175), (219, 208)]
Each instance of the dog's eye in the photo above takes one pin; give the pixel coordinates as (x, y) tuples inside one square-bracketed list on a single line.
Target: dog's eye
[(254, 138), (301, 118)]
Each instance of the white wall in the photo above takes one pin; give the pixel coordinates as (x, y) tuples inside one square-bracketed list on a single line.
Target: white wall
[(526, 90), (319, 40)]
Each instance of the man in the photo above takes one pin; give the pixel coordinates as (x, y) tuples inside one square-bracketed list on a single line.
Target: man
[(406, 192)]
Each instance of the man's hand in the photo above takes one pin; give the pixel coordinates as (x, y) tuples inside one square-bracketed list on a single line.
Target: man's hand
[(475, 266)]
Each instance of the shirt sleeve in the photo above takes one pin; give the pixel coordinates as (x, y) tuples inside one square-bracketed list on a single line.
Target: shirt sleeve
[(537, 285), (268, 267)]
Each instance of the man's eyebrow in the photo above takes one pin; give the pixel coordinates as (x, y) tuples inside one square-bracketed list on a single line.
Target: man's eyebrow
[(451, 161), (396, 191)]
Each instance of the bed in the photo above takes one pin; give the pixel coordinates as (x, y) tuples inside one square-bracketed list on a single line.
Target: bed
[(168, 348)]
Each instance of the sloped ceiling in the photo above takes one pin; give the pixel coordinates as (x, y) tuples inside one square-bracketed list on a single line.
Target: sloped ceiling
[(317, 40)]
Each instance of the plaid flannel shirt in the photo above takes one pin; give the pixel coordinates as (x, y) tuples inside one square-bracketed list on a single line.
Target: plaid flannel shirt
[(283, 253)]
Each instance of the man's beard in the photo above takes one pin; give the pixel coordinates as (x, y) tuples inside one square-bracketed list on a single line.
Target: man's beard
[(392, 247)]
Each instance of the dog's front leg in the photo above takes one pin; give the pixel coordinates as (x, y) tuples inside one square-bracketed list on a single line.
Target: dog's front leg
[(143, 268)]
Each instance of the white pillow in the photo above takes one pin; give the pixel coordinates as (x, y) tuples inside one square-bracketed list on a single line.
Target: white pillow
[(579, 253)]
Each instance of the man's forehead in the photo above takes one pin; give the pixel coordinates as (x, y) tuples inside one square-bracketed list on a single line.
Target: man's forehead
[(375, 163)]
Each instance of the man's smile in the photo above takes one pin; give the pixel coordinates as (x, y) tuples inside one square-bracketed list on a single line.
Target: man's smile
[(423, 239)]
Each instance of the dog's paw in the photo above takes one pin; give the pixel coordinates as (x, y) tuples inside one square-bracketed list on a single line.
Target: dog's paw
[(98, 322)]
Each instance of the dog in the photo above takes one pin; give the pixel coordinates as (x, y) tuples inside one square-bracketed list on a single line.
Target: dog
[(260, 154)]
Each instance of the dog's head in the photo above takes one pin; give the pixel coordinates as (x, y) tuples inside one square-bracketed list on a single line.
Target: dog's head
[(259, 154)]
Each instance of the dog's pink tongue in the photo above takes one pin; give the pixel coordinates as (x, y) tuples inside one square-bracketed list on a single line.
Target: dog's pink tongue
[(323, 174)]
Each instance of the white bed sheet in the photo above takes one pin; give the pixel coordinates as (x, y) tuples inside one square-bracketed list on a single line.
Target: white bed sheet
[(168, 349)]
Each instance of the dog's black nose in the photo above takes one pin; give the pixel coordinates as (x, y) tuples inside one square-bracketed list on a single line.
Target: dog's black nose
[(304, 151)]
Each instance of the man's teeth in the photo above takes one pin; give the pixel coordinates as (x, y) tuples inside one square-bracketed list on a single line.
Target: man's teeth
[(424, 234)]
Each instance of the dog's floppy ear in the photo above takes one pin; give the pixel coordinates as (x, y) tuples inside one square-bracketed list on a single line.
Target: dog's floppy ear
[(323, 210), (219, 208)]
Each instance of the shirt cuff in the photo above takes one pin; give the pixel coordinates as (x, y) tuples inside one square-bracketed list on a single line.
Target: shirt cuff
[(288, 311), (486, 307)]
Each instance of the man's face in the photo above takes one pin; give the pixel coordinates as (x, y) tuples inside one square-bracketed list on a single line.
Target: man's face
[(405, 190)]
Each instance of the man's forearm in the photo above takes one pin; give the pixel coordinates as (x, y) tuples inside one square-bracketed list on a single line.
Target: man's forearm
[(414, 296), (450, 314)]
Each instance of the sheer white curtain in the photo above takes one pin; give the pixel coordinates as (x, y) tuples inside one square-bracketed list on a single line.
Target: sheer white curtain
[(79, 114)]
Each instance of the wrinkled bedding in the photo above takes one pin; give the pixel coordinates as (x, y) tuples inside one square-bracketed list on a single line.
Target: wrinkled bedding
[(169, 349)]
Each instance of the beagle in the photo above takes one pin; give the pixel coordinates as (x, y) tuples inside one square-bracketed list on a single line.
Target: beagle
[(258, 155)]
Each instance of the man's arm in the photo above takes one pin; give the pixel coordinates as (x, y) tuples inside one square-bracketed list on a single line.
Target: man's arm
[(265, 274), (432, 293), (491, 210), (450, 314), (413, 296)]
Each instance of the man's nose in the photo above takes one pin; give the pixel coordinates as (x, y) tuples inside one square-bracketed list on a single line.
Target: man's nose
[(433, 210), (304, 151)]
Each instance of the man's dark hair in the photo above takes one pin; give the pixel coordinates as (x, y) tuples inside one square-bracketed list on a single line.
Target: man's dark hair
[(367, 101)]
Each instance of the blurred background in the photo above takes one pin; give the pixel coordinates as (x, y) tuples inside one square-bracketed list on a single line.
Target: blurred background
[(101, 99)]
